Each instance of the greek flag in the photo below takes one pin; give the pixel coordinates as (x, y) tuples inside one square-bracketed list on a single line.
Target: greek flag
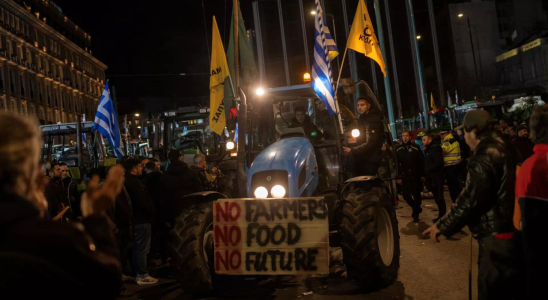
[(106, 123), (325, 49)]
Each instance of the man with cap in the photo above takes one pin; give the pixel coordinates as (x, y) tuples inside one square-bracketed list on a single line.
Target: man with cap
[(522, 143), (367, 151), (486, 206), (451, 160)]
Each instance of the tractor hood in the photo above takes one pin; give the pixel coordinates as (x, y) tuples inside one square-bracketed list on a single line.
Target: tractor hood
[(289, 162)]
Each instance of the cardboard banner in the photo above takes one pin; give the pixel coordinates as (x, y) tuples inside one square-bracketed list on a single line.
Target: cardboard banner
[(271, 236)]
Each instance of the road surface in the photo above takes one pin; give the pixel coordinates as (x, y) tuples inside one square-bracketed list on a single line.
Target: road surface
[(427, 271)]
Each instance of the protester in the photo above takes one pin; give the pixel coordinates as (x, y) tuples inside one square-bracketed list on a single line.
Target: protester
[(452, 160), (411, 173), (532, 183), (157, 163), (39, 257), (207, 178), (177, 181), (58, 205), (433, 167), (510, 133), (367, 151), (487, 206), (152, 183), (144, 161), (71, 191), (522, 143), (143, 214)]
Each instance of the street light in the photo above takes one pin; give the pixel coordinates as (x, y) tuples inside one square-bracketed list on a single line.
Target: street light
[(418, 37), (473, 51), (136, 115)]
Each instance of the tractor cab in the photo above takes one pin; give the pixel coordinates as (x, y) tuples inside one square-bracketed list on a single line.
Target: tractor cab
[(187, 130)]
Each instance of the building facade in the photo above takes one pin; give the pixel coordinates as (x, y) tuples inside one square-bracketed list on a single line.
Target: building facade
[(47, 69)]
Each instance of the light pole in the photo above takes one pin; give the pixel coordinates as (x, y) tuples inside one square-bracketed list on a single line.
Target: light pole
[(313, 12), (473, 51)]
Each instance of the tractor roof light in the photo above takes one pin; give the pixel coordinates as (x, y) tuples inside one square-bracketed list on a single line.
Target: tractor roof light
[(306, 77), (230, 145), (259, 91)]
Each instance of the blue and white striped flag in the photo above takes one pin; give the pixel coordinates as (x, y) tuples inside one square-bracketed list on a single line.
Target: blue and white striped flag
[(325, 49), (106, 123)]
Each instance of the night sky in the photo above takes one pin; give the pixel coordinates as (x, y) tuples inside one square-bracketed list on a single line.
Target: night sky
[(168, 37)]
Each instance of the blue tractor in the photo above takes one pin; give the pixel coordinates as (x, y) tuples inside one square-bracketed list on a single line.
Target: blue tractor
[(278, 160)]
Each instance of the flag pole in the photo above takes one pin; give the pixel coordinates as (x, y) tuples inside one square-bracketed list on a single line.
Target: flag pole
[(340, 71), (236, 28)]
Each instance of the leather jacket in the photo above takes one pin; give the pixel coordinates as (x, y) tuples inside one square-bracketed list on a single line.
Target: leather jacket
[(486, 204), (369, 144)]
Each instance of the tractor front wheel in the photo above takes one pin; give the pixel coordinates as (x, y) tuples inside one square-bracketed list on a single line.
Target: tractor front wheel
[(369, 237)]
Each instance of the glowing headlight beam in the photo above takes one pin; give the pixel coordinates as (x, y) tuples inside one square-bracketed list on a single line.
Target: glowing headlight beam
[(355, 133), (277, 191)]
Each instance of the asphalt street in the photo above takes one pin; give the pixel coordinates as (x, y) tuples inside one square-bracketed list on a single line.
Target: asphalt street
[(427, 271)]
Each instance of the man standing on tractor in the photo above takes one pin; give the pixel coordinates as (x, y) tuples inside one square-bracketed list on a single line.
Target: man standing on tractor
[(367, 152), (451, 159), (301, 119), (411, 171)]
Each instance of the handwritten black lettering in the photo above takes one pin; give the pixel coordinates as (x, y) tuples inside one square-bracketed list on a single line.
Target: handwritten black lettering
[(293, 239)]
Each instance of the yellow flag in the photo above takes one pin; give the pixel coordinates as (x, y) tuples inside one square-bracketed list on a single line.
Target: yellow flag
[(362, 37), (219, 72), (432, 102)]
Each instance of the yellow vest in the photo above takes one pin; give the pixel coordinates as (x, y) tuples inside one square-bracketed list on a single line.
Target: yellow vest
[(451, 151)]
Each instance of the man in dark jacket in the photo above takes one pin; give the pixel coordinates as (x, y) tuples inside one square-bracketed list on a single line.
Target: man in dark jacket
[(71, 191), (55, 193), (143, 214), (177, 181), (487, 206), (523, 143), (410, 161), (152, 183), (40, 258), (433, 167), (301, 119), (367, 151)]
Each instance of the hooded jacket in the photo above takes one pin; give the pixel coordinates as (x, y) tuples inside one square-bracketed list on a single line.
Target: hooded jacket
[(176, 182), (63, 260), (486, 204)]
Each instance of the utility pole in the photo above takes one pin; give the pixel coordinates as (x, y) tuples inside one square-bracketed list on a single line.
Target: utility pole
[(387, 89), (436, 52), (416, 61), (393, 55)]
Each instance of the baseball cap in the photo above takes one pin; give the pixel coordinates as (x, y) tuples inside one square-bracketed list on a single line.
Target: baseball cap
[(478, 118)]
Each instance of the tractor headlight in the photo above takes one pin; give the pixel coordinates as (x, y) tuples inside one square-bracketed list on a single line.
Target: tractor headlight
[(261, 192), (355, 133), (229, 145), (278, 191)]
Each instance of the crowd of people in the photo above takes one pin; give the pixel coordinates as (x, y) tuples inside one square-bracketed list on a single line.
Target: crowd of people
[(495, 172), (104, 235), (505, 170)]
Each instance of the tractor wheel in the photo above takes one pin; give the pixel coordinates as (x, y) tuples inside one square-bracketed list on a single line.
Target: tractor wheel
[(369, 237), (191, 248)]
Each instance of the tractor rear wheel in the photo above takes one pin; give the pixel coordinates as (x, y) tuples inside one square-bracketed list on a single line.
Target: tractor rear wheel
[(369, 237), (191, 248)]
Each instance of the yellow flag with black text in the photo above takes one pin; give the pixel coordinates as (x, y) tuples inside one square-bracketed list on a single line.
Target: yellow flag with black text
[(362, 37), (219, 72), (432, 103)]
